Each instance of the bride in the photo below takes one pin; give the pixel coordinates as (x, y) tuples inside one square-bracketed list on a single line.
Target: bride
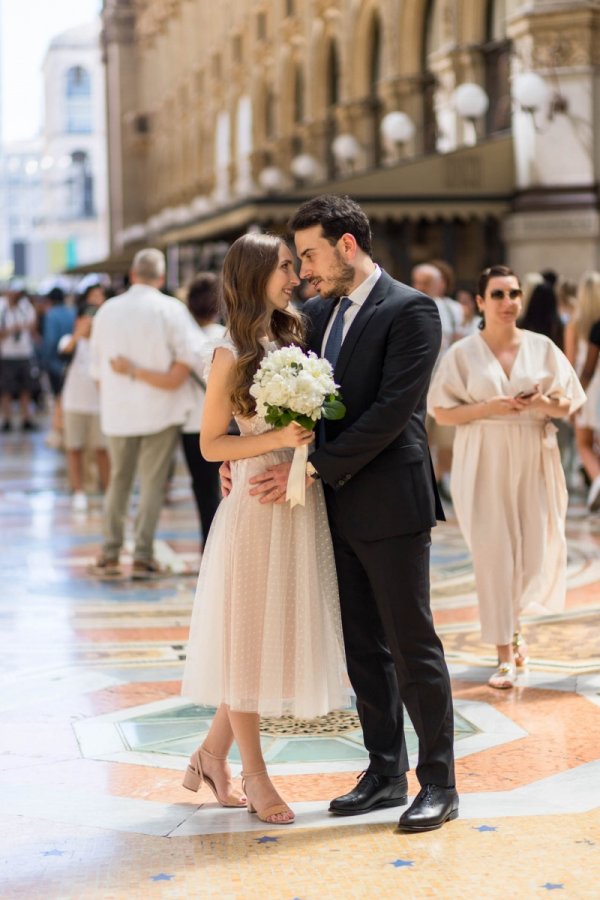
[(265, 637)]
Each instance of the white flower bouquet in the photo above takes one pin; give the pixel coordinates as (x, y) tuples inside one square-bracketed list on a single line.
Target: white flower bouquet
[(293, 386)]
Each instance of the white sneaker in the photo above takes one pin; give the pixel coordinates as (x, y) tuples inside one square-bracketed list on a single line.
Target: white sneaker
[(593, 499), (79, 502)]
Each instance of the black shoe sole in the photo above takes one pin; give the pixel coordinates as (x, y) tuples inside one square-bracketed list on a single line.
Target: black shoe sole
[(417, 829), (383, 804)]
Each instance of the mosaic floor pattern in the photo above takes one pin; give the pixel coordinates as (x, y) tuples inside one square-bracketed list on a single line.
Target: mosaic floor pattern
[(94, 735)]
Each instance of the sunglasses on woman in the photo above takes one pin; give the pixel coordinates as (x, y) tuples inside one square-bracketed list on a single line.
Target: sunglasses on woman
[(514, 294)]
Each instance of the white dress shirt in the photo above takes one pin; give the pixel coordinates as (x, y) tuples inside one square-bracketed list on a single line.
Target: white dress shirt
[(153, 331), (358, 297)]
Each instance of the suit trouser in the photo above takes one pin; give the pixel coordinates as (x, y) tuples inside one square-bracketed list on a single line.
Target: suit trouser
[(149, 455), (205, 481), (393, 652)]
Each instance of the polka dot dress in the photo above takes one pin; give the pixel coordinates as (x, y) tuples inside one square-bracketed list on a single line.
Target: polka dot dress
[(266, 634)]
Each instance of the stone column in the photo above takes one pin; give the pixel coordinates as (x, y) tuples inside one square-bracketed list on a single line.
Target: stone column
[(554, 220), (118, 19)]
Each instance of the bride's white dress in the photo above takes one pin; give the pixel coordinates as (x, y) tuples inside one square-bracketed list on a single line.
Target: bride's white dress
[(266, 633)]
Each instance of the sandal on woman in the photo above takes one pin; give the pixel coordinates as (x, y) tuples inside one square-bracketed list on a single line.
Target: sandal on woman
[(277, 814), (194, 777), (504, 677), (520, 649)]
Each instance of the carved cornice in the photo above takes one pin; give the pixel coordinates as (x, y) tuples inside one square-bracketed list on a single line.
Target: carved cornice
[(558, 40), (118, 22)]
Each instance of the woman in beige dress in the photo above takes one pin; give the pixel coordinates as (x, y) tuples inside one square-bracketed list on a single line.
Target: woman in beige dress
[(501, 388), (266, 636)]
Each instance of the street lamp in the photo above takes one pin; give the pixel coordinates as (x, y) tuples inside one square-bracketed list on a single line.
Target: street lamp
[(397, 129), (304, 167), (271, 179), (470, 101), (346, 150)]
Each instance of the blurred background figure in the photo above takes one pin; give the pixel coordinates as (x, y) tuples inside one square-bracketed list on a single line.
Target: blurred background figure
[(566, 295), (81, 401), (203, 303), (590, 370), (528, 283), (587, 420), (471, 320), (542, 314), (142, 424), (428, 279), (18, 323), (59, 320)]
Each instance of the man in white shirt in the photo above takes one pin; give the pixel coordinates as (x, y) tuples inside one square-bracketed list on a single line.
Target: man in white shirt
[(17, 324), (141, 422), (428, 279)]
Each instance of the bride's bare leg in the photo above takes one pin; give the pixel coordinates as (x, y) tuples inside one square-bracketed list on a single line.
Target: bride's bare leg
[(257, 785), (213, 758)]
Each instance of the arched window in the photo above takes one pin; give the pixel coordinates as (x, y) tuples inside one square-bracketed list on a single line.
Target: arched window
[(80, 187), (78, 100), (333, 75), (374, 55), (496, 56), (374, 75), (269, 114), (431, 39), (298, 95)]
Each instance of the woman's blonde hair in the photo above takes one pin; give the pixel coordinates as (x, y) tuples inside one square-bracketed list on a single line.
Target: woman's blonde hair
[(248, 265), (588, 304)]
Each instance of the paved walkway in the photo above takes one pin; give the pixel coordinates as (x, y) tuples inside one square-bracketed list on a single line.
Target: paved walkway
[(94, 735)]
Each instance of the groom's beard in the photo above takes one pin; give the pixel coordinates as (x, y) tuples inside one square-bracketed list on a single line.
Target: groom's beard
[(341, 279)]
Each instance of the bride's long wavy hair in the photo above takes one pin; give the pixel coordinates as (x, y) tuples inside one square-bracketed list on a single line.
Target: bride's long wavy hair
[(248, 265)]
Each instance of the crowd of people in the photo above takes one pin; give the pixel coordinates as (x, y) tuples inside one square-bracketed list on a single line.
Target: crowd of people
[(502, 382)]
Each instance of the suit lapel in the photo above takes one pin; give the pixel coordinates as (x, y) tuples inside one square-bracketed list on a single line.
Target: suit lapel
[(363, 316), (320, 318)]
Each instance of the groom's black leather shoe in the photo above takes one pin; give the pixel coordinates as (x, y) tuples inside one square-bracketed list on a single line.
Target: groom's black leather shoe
[(432, 806), (372, 792)]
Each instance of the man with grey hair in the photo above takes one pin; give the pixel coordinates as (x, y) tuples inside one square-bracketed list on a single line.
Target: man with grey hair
[(141, 422), (428, 279)]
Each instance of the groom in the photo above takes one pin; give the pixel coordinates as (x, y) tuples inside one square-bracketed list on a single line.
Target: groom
[(383, 339)]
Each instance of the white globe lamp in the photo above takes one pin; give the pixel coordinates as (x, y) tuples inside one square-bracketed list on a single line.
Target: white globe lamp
[(530, 91), (397, 128), (470, 101)]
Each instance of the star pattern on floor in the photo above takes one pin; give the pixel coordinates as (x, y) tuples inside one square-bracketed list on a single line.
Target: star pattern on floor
[(161, 877), (402, 863), (484, 828)]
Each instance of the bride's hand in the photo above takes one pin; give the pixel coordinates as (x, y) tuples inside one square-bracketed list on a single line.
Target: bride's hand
[(294, 435)]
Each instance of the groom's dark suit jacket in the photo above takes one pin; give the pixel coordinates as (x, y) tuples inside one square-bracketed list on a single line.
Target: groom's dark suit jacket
[(376, 459)]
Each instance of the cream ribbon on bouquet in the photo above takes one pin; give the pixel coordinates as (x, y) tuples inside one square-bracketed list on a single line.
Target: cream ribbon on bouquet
[(296, 485), (293, 386)]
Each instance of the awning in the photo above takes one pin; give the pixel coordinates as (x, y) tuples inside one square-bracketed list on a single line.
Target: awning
[(474, 181), (115, 264)]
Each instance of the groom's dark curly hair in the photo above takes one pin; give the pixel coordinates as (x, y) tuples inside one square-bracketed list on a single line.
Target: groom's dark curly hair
[(337, 216)]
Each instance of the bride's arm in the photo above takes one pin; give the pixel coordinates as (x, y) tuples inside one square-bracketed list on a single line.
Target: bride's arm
[(215, 443)]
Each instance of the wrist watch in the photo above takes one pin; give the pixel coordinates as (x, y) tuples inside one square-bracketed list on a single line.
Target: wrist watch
[(311, 471)]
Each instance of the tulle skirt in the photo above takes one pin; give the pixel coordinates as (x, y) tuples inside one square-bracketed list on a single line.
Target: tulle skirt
[(266, 634)]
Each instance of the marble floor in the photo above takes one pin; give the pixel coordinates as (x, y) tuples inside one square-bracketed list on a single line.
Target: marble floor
[(94, 736)]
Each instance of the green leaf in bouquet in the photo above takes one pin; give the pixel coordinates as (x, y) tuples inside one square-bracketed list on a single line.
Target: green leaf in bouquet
[(305, 421), (333, 409)]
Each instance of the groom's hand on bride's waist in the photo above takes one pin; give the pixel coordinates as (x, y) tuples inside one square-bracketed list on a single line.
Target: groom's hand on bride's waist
[(271, 485), (225, 476)]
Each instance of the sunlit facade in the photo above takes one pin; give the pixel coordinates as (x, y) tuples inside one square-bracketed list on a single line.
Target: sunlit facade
[(223, 116)]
